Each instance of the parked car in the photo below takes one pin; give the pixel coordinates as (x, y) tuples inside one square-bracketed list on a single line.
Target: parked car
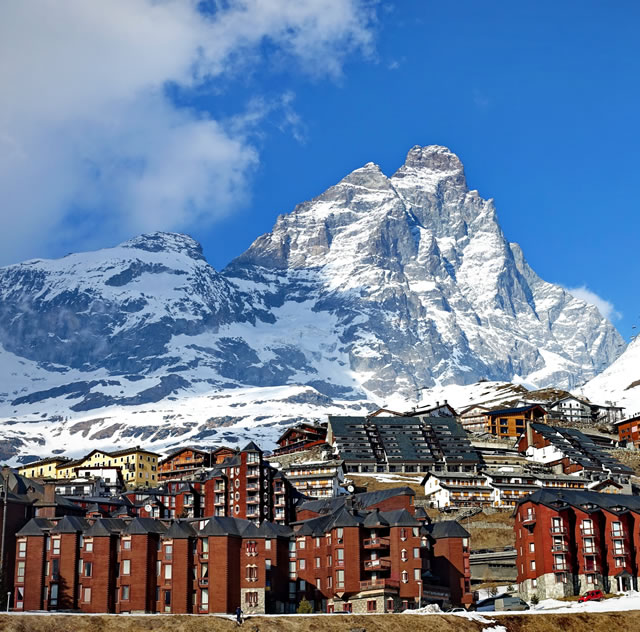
[(591, 595), (502, 602)]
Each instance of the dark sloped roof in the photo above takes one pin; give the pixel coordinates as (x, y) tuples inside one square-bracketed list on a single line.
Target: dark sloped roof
[(223, 525), (513, 411), (70, 524), (447, 529), (346, 518), (105, 527), (579, 498), (180, 531), (400, 518), (142, 526), (251, 447), (376, 519), (274, 530), (36, 526)]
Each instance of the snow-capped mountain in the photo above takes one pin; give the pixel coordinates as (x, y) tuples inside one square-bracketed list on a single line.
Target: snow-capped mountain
[(620, 383), (378, 287)]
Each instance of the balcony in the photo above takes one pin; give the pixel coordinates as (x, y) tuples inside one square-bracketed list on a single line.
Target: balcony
[(560, 567), (380, 584), (382, 563), (619, 551), (253, 487), (590, 550), (529, 518), (558, 530), (560, 548), (203, 581), (591, 567), (587, 532), (376, 543), (617, 533)]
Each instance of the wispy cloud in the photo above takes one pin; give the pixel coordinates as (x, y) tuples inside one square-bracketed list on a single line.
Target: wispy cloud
[(91, 142), (605, 307)]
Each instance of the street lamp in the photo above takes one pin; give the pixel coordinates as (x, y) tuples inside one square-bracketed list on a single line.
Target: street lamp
[(420, 601)]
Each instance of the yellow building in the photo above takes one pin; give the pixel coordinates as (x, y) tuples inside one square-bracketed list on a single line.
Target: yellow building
[(139, 467), (44, 468)]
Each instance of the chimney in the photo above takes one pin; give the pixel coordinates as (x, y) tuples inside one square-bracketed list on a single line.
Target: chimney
[(49, 496), (529, 433)]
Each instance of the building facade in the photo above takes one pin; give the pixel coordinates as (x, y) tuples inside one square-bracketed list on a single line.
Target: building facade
[(568, 542), (346, 557)]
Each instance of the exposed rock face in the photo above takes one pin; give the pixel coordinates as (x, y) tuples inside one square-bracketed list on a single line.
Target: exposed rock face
[(380, 285)]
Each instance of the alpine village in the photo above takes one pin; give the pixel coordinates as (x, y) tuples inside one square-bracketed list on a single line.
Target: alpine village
[(362, 514)]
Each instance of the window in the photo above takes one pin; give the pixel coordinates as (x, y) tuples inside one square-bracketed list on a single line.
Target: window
[(534, 583), (205, 545), (87, 595), (267, 545), (252, 548), (317, 562), (403, 534), (302, 564), (339, 557), (292, 569), (405, 577), (303, 585), (251, 599), (124, 593), (88, 546), (532, 547), (88, 567), (22, 548), (126, 567), (416, 574), (56, 546), (619, 562), (126, 545), (371, 605), (416, 553), (204, 571), (301, 543), (532, 565), (252, 573), (340, 579), (329, 581), (403, 555), (53, 598), (167, 571), (21, 570), (204, 598)]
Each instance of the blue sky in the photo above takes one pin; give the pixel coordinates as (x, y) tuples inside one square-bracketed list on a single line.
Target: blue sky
[(156, 117)]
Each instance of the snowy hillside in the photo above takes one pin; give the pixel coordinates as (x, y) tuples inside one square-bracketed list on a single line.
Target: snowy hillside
[(373, 290), (620, 383)]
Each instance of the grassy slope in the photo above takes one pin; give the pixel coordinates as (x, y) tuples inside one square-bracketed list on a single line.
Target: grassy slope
[(612, 622)]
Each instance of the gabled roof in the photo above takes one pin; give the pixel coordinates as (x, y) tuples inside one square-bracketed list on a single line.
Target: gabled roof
[(400, 518), (376, 519), (70, 524), (223, 525), (273, 530), (447, 529), (36, 526), (251, 447), (346, 518), (180, 531), (143, 526), (105, 527)]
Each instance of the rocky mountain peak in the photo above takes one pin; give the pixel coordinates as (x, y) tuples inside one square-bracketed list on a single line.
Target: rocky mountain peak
[(434, 158), (166, 242)]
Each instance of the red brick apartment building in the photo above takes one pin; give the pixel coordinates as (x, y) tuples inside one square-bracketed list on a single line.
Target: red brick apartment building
[(357, 554), (629, 431), (569, 541)]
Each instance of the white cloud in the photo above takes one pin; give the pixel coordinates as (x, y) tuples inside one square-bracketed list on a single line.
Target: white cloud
[(90, 141), (604, 306)]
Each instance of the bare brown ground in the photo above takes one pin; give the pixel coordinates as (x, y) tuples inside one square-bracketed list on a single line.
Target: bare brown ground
[(485, 537), (373, 484), (579, 622)]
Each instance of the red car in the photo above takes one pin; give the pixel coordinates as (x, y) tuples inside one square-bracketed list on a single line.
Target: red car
[(591, 595)]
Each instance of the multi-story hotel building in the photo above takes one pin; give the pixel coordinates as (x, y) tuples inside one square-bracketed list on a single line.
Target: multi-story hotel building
[(349, 558), (568, 542), (138, 466)]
